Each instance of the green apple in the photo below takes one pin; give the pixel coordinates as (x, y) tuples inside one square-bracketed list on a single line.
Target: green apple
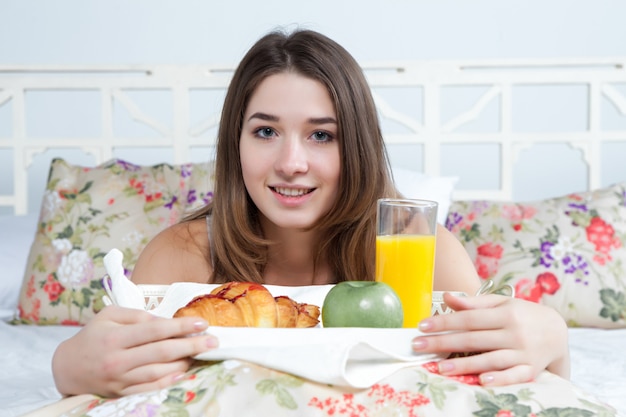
[(362, 304)]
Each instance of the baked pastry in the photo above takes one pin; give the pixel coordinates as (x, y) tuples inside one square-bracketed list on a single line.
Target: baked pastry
[(248, 304)]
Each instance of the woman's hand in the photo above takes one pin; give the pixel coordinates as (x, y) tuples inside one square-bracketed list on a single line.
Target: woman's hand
[(517, 339), (124, 351)]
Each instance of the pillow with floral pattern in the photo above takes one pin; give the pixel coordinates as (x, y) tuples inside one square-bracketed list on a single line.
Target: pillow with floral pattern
[(85, 212), (568, 252)]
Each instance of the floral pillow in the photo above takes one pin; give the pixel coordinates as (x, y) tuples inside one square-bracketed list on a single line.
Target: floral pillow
[(568, 252), (87, 211)]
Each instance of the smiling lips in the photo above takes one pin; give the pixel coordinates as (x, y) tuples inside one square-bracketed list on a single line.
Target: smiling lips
[(292, 192)]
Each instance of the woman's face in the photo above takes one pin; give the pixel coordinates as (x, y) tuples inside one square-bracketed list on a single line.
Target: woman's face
[(289, 151)]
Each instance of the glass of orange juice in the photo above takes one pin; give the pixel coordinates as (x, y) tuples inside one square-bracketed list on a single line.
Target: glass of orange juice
[(405, 253)]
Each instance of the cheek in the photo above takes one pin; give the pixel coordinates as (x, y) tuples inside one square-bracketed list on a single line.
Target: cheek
[(334, 169), (248, 162), (248, 174)]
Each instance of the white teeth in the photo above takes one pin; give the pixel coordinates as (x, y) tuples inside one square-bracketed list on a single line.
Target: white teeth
[(291, 192)]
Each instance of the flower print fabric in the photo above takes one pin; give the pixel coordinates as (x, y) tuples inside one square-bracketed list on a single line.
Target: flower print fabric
[(236, 388), (566, 252), (85, 212)]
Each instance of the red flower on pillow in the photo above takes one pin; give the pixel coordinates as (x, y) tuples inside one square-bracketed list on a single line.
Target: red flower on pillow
[(53, 288), (516, 213), (545, 283), (137, 185), (33, 315), (528, 290), (602, 235), (488, 256), (548, 282)]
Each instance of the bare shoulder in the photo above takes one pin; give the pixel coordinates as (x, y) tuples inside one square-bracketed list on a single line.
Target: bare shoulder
[(179, 253), (454, 270)]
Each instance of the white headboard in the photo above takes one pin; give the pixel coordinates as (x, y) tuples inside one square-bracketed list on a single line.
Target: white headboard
[(472, 119)]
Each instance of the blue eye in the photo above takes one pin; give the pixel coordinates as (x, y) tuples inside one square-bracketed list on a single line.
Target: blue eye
[(321, 136), (264, 132)]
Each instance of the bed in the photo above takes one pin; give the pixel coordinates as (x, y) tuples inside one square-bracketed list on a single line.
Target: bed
[(96, 158)]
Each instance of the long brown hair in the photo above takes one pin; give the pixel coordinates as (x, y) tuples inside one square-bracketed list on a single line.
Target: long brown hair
[(348, 230)]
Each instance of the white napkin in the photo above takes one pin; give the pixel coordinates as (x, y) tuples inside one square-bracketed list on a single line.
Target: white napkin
[(356, 357), (120, 290)]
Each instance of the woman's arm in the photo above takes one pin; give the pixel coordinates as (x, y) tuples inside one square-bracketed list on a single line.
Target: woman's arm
[(454, 270), (123, 351)]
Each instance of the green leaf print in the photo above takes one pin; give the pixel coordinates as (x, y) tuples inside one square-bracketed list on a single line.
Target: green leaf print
[(284, 399), (277, 387), (86, 187), (437, 388), (266, 386), (66, 233), (580, 218), (289, 381), (472, 233), (525, 394), (174, 395), (83, 198), (82, 298), (614, 304), (493, 405), (565, 412), (599, 410)]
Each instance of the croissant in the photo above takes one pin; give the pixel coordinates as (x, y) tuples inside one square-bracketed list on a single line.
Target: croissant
[(248, 304)]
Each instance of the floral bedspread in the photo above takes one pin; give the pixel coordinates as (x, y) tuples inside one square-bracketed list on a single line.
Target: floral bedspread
[(235, 388)]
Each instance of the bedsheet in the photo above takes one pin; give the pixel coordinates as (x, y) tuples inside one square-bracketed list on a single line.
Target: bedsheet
[(25, 355), (26, 384), (598, 359)]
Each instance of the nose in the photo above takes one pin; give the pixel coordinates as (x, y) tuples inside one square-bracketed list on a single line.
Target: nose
[(292, 157)]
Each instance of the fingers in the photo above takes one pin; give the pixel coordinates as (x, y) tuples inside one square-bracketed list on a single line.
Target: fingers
[(152, 329), (462, 320), (151, 365), (169, 350), (147, 378), (124, 362), (476, 341), (515, 375), (161, 383), (495, 368), (480, 363), (154, 376), (474, 302)]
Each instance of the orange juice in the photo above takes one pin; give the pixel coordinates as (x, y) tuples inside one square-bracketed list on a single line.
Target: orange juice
[(406, 263)]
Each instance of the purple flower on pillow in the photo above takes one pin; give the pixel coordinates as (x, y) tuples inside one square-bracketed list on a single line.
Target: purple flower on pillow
[(191, 196), (171, 203), (546, 258), (579, 207), (127, 166), (452, 220), (185, 170), (208, 197), (573, 262)]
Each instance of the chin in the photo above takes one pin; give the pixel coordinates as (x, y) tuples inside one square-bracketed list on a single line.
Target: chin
[(293, 222)]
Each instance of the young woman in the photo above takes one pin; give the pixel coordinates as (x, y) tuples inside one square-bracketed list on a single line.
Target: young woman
[(300, 164)]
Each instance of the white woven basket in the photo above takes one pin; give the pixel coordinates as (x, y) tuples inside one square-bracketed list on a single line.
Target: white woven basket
[(154, 294)]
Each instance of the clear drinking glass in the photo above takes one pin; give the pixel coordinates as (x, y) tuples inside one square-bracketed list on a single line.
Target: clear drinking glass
[(405, 253)]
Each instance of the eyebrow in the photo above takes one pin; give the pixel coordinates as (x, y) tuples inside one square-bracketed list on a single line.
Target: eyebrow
[(312, 120)]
